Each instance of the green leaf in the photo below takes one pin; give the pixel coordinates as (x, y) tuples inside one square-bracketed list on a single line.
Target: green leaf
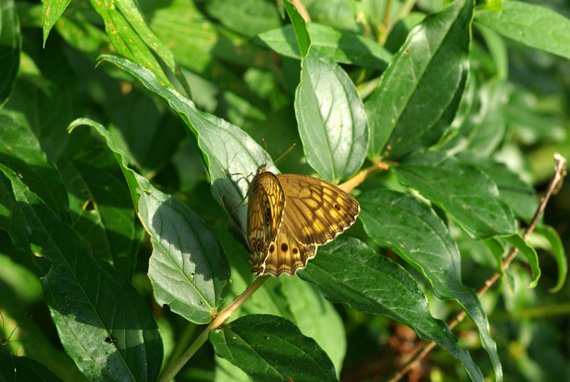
[(132, 37), (530, 255), (122, 158), (389, 217), (248, 17), (316, 318), (199, 45), (348, 271), (225, 147), (102, 210), (270, 348), (10, 45), (22, 153), (339, 46), (188, 268), (300, 27), (52, 11), (14, 368), (419, 92), (532, 25), (514, 191), (90, 301), (462, 190), (550, 234), (331, 118)]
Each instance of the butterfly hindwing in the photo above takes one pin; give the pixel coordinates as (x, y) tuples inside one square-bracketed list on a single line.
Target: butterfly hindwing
[(286, 254)]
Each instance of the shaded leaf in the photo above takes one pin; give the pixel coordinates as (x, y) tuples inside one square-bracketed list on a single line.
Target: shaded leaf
[(270, 348), (514, 191), (90, 301), (412, 230), (348, 271), (14, 368), (419, 92), (20, 150), (10, 45), (462, 190)]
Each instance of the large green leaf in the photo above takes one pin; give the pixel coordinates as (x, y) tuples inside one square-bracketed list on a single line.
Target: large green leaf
[(188, 268), (102, 210), (348, 271), (420, 91), (225, 147), (90, 301), (270, 348), (533, 25), (331, 118), (389, 217), (464, 191), (131, 36), (10, 44), (514, 191), (336, 45)]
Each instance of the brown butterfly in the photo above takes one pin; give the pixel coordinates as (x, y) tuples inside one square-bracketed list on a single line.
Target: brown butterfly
[(289, 216)]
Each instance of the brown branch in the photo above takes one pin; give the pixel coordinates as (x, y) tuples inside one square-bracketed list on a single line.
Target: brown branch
[(353, 182), (423, 349)]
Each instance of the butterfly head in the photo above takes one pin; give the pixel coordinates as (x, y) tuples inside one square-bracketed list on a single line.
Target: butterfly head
[(261, 169)]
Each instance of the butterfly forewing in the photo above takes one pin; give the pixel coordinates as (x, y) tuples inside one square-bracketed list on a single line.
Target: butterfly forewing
[(289, 216), (319, 210), (266, 202)]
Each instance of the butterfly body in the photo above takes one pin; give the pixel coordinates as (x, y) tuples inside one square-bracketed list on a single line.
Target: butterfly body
[(289, 216)]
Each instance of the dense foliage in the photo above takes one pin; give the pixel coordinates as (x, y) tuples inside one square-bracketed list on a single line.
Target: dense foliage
[(122, 230)]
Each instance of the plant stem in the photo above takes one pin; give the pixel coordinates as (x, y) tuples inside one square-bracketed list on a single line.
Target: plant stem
[(218, 321), (423, 349)]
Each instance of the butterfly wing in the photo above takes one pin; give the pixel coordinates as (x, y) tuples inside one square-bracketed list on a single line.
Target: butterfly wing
[(266, 202), (285, 255), (316, 211)]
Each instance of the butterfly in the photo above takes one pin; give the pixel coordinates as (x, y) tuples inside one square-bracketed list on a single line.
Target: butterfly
[(289, 216)]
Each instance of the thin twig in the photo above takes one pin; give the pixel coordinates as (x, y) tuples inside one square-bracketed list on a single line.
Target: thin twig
[(423, 349), (353, 182)]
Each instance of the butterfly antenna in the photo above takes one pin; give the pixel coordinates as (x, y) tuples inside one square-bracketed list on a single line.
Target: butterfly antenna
[(282, 155)]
